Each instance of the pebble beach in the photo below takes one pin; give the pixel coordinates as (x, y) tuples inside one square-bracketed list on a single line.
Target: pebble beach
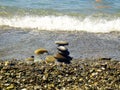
[(59, 44), (100, 74)]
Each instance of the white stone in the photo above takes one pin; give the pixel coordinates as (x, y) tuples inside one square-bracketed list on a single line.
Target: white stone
[(62, 48)]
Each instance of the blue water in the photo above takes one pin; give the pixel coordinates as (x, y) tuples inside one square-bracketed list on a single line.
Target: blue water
[(23, 26), (77, 6), (81, 15)]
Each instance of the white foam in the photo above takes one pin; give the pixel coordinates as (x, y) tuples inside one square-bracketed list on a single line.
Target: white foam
[(64, 23)]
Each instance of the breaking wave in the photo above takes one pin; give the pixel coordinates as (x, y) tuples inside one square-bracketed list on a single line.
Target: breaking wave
[(62, 23)]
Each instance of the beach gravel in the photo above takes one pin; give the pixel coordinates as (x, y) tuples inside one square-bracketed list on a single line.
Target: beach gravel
[(79, 75)]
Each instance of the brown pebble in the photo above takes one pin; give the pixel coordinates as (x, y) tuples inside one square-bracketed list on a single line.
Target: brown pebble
[(40, 51), (59, 56), (50, 59)]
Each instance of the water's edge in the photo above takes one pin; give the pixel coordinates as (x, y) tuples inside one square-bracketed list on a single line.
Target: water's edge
[(20, 44)]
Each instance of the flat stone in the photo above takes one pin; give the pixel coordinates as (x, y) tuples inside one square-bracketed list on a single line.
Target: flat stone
[(50, 59), (59, 56), (62, 48), (105, 58), (65, 53), (61, 43), (40, 51)]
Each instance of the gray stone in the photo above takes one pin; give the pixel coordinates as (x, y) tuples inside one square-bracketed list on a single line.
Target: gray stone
[(61, 43)]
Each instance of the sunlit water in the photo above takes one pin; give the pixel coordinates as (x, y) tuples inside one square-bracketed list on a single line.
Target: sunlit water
[(26, 25)]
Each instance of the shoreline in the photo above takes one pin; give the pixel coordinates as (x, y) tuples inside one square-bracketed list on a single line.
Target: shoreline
[(79, 75), (21, 44)]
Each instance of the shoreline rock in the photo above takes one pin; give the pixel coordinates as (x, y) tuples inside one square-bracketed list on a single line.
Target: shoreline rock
[(62, 54)]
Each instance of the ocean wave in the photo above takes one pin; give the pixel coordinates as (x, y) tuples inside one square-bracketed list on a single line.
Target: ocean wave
[(62, 23)]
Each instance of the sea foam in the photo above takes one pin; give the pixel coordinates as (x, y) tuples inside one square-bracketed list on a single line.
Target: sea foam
[(62, 23)]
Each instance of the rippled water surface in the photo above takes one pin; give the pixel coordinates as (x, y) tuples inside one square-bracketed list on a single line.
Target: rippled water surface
[(92, 27)]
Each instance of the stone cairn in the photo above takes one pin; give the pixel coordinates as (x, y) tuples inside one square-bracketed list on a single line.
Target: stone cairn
[(42, 54), (62, 54)]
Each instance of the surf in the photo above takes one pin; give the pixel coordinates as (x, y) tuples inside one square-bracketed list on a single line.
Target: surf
[(62, 23)]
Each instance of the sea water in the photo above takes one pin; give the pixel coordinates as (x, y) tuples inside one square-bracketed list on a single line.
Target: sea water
[(26, 25), (79, 15)]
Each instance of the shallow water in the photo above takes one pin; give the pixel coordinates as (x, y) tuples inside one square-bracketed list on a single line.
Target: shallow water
[(26, 25), (21, 44)]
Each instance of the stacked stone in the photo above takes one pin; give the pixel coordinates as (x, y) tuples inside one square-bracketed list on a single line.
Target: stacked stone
[(62, 54)]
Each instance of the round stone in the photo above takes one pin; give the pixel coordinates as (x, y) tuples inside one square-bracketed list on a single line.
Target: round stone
[(62, 48), (65, 53), (59, 56), (40, 51), (50, 59), (61, 43)]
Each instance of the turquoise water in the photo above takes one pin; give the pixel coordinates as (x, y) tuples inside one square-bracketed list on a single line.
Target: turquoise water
[(61, 15), (77, 6)]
